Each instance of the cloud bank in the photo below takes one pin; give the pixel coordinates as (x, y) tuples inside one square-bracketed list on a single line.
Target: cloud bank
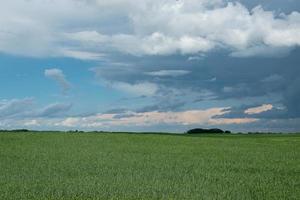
[(54, 115), (170, 62), (94, 29)]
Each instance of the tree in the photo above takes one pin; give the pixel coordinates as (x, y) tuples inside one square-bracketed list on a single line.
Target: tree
[(204, 131)]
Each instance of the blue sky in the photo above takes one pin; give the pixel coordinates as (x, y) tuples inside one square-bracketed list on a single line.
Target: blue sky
[(159, 65)]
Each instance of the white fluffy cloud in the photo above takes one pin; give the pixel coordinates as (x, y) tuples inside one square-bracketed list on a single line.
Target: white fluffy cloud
[(34, 28), (90, 29)]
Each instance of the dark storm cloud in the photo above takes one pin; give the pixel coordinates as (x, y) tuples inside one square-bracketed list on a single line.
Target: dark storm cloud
[(116, 111), (221, 76), (278, 5), (292, 98)]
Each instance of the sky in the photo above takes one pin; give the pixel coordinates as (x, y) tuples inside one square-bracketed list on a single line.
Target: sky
[(151, 65)]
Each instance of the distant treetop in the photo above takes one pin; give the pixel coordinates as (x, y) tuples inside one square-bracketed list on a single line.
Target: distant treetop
[(203, 131)]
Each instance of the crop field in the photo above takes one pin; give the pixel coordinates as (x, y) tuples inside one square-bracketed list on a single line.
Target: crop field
[(148, 166)]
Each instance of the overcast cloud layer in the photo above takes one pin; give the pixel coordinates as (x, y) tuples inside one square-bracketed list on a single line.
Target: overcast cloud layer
[(91, 29), (159, 64)]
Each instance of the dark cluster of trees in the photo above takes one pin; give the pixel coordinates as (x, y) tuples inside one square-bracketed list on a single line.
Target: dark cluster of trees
[(206, 131), (15, 130)]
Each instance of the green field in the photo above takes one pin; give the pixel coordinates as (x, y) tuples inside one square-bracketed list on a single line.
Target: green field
[(148, 166)]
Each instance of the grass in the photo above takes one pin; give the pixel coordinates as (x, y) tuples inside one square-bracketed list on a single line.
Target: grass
[(147, 166)]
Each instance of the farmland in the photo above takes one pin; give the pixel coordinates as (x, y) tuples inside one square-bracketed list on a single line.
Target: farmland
[(49, 165)]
